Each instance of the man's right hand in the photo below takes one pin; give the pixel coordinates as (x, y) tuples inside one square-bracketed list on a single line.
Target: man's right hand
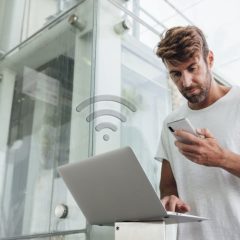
[(175, 204)]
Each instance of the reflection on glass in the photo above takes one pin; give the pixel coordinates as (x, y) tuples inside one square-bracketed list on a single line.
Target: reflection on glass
[(38, 137), (146, 84)]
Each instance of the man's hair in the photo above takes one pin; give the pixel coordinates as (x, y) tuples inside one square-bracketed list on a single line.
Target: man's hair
[(179, 44)]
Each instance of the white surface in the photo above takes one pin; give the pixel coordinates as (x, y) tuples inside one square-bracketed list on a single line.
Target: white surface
[(140, 231)]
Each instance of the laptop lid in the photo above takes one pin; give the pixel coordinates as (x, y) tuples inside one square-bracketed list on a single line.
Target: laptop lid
[(113, 187)]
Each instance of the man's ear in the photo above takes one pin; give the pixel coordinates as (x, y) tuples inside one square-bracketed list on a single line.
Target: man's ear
[(210, 58)]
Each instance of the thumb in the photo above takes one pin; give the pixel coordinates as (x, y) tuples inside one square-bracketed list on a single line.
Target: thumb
[(205, 132)]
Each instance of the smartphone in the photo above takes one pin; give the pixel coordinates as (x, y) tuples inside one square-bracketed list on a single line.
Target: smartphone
[(182, 124)]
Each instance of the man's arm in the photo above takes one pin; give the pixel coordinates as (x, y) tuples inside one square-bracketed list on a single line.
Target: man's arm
[(168, 184), (231, 163), (168, 190)]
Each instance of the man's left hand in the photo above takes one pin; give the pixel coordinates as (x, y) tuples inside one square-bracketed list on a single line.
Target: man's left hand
[(203, 150)]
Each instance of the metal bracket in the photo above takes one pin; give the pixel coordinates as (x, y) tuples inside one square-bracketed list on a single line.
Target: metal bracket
[(76, 22), (122, 27), (61, 211)]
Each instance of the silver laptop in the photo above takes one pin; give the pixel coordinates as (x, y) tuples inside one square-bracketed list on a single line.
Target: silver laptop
[(113, 187)]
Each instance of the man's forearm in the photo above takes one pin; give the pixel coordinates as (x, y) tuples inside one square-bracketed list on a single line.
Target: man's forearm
[(168, 191), (231, 163)]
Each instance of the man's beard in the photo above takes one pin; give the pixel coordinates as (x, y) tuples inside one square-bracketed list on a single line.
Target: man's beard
[(200, 97)]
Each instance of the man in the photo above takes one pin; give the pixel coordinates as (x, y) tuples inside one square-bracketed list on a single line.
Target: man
[(203, 176)]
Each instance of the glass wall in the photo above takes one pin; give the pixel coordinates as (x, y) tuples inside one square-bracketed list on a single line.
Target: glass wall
[(126, 66), (95, 50), (136, 75), (43, 81)]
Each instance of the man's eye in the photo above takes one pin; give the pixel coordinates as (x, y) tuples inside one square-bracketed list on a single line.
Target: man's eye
[(192, 69), (175, 75)]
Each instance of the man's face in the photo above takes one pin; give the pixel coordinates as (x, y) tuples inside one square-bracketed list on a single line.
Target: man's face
[(193, 78)]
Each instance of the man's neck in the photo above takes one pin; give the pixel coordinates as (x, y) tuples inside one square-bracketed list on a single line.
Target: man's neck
[(216, 92)]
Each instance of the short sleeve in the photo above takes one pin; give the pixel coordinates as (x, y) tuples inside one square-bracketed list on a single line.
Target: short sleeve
[(161, 152)]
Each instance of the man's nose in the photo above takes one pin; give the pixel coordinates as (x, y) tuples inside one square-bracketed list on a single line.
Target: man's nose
[(186, 79)]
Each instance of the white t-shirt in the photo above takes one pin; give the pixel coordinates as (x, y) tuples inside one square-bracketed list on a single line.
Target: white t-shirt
[(211, 192)]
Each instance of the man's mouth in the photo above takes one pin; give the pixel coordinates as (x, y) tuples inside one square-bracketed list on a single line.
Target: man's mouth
[(192, 91)]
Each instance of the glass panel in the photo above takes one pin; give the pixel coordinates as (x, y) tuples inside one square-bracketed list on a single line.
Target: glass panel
[(11, 18), (19, 19), (79, 145), (39, 13), (128, 68), (42, 83), (145, 83), (140, 78)]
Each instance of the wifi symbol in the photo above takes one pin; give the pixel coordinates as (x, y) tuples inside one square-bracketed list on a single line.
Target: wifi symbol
[(106, 112)]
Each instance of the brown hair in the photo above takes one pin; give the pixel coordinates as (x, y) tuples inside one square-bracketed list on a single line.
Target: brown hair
[(179, 44)]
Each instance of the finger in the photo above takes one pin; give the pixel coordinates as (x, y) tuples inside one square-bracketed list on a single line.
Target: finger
[(183, 208), (165, 201), (187, 136), (205, 132), (172, 203), (197, 160), (187, 148), (191, 156)]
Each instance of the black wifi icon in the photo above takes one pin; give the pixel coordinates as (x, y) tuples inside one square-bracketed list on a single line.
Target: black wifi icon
[(106, 112)]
